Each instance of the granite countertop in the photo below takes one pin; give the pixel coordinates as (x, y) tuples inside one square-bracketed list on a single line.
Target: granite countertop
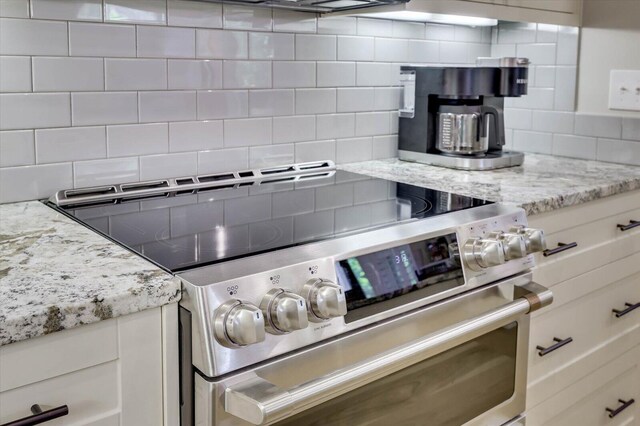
[(56, 274), (543, 183)]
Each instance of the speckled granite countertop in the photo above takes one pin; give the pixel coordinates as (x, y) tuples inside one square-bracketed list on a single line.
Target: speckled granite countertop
[(543, 183), (56, 274)]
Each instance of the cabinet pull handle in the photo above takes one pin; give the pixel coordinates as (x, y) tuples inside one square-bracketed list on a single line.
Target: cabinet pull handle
[(629, 307), (559, 343), (40, 416), (620, 409), (561, 247), (632, 224)]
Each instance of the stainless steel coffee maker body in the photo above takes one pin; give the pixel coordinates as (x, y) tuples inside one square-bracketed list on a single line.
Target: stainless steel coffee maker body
[(453, 116)]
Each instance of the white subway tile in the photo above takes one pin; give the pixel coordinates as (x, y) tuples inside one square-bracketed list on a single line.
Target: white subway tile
[(247, 210), (223, 104), (268, 103), (102, 40), (387, 98), (574, 146), (271, 46), (247, 132), (166, 42), (311, 47), (33, 182), (403, 29), (391, 50), (294, 74), (68, 10), (220, 44), (335, 126), (547, 33), (631, 128), (313, 225), (15, 74), (544, 76), (137, 139), (371, 190), (315, 101), (516, 32), (470, 34), (195, 135), (477, 50), (223, 160), (294, 129), (453, 52), (31, 111), (246, 74), (136, 11), (315, 151), (372, 123), (517, 118), (17, 148), (531, 76), (553, 121), (385, 147), (618, 151), (195, 74), (373, 74), (532, 141), (423, 51), (567, 47), (104, 108), (440, 32), (353, 150), (271, 155), (336, 74), (293, 22), (344, 25), (136, 74), (183, 13), (598, 125), (537, 98), (538, 54), (355, 48), (355, 99), (168, 165), (503, 50), (67, 74), (14, 8), (246, 18), (394, 119), (167, 106), (71, 144), (105, 172), (565, 88), (33, 37), (374, 27)]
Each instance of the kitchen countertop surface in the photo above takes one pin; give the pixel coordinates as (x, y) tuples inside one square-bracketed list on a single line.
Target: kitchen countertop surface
[(542, 184), (56, 274)]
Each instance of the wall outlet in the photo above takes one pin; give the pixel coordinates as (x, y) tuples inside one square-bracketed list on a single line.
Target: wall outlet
[(624, 90)]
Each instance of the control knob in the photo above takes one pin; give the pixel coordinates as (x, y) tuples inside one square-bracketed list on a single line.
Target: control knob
[(237, 323), (325, 300), (480, 253), (513, 244), (284, 311), (533, 238)]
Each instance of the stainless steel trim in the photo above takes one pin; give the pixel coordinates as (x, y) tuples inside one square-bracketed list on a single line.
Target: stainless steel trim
[(506, 62), (488, 162), (258, 401), (137, 190)]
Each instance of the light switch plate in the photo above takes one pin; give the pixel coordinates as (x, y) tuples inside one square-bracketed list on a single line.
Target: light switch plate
[(624, 90)]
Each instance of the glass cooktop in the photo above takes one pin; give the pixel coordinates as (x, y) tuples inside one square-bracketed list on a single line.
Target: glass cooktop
[(180, 232)]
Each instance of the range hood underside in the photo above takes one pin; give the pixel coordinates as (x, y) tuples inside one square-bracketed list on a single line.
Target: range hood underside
[(318, 6)]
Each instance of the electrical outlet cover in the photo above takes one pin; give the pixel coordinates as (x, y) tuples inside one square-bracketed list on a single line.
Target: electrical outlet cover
[(624, 90)]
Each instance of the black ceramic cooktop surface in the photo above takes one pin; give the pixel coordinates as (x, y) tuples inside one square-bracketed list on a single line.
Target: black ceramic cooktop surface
[(181, 232)]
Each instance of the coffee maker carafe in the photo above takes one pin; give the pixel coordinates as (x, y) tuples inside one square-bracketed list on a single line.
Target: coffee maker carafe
[(453, 116)]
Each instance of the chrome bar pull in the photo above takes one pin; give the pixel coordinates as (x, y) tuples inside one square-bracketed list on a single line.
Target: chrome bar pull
[(561, 247), (632, 224), (629, 307), (559, 343), (620, 409)]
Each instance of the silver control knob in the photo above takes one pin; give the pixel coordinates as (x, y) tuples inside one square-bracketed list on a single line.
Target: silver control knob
[(513, 244), (237, 323), (533, 238), (325, 300), (284, 311), (480, 253)]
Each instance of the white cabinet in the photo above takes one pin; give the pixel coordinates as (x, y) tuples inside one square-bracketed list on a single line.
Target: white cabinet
[(114, 372)]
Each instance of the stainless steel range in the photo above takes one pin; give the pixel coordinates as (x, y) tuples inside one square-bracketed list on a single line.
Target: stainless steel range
[(314, 296)]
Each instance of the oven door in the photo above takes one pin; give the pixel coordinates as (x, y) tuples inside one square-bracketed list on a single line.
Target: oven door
[(461, 361)]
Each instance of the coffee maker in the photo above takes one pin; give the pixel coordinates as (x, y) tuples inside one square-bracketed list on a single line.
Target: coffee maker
[(453, 116)]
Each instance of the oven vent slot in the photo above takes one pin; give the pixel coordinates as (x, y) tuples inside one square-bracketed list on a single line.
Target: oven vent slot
[(317, 175), (215, 188), (88, 192), (185, 181), (276, 170), (311, 166), (215, 178), (142, 186), (289, 179), (246, 174)]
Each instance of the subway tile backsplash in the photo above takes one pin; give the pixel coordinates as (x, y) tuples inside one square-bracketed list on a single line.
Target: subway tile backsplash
[(96, 92)]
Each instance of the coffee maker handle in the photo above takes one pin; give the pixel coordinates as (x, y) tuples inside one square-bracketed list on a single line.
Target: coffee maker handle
[(498, 118)]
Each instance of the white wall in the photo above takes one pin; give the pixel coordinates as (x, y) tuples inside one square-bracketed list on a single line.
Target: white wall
[(610, 39)]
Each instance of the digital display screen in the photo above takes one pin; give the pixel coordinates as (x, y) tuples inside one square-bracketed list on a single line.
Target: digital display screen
[(387, 274)]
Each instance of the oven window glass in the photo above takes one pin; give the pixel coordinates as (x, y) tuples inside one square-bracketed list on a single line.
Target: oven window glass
[(428, 266), (448, 389)]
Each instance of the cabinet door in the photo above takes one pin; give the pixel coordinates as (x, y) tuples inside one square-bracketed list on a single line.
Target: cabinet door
[(566, 6)]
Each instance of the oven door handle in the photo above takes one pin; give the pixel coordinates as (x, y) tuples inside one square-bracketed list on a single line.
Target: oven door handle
[(259, 401)]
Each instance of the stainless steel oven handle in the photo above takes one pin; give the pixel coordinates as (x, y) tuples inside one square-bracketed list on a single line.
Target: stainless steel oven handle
[(259, 401)]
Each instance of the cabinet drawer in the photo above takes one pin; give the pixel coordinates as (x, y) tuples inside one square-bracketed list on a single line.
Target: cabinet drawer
[(585, 402), (588, 321)]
